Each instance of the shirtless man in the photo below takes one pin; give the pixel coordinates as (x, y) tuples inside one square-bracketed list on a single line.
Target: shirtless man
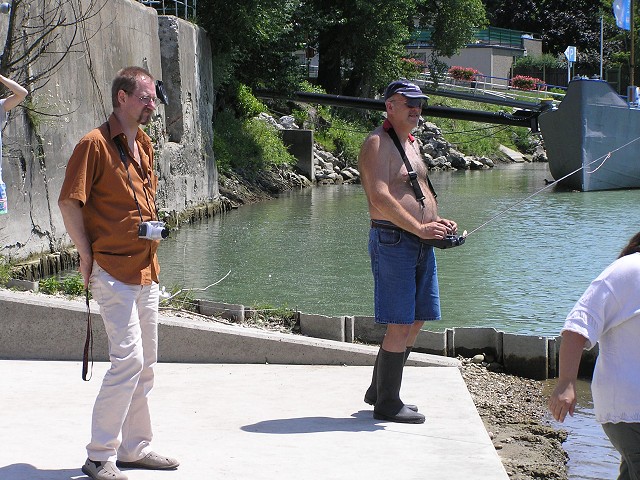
[(404, 268)]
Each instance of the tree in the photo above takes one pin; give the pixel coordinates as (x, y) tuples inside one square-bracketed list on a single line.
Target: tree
[(453, 23), (253, 41)]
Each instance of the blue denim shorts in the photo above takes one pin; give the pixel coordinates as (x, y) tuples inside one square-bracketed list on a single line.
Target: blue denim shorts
[(405, 277)]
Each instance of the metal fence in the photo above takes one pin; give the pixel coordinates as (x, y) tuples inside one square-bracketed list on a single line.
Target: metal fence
[(180, 8)]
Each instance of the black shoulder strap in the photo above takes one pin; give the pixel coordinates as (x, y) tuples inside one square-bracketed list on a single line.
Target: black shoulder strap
[(413, 176)]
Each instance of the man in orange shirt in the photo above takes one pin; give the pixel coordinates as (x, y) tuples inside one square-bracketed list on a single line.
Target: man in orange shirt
[(108, 191)]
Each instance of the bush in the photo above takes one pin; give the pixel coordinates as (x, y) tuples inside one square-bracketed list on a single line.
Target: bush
[(49, 285), (247, 105), (5, 272), (73, 285), (463, 73), (247, 146), (546, 60), (523, 82)]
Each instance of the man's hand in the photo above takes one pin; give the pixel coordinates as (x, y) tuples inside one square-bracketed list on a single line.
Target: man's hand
[(433, 230), (86, 266), (452, 227)]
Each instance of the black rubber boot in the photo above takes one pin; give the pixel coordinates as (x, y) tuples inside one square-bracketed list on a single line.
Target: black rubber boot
[(388, 405), (371, 394)]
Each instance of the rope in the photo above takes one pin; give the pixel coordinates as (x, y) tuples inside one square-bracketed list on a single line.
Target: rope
[(604, 158)]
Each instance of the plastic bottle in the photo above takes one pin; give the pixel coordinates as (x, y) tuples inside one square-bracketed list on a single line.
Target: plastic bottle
[(3, 198)]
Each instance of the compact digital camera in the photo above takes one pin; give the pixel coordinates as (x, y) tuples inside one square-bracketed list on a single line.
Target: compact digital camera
[(153, 230)]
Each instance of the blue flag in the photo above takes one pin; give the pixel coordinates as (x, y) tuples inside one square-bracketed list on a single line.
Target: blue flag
[(622, 12)]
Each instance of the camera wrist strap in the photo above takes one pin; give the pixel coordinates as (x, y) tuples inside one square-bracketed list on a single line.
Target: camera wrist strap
[(413, 176), (88, 343)]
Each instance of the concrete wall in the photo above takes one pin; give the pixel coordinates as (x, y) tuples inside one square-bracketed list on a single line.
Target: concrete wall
[(43, 327), (530, 356), (77, 98)]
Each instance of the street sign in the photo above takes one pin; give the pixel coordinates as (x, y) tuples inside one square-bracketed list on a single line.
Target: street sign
[(571, 53)]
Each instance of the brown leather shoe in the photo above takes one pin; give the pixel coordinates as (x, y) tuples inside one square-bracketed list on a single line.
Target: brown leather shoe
[(152, 461)]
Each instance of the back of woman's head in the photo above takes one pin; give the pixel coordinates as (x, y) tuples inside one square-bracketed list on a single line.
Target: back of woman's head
[(632, 247)]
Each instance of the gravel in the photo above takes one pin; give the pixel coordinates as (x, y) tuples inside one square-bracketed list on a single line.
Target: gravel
[(513, 410)]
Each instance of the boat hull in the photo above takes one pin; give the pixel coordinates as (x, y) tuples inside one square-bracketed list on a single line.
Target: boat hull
[(593, 138)]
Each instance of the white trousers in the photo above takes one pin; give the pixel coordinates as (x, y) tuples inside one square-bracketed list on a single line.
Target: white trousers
[(130, 316)]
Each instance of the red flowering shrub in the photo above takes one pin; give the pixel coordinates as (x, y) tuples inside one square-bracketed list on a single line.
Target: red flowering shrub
[(523, 82), (463, 73)]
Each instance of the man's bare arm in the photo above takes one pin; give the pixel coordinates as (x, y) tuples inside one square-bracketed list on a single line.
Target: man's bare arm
[(72, 216)]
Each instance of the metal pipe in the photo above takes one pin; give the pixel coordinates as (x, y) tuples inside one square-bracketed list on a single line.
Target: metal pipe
[(523, 118)]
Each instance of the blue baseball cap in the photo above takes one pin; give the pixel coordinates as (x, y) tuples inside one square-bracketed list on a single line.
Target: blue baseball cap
[(404, 88)]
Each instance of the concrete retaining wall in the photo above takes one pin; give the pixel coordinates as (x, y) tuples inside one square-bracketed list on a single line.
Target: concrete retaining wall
[(77, 98), (528, 356), (36, 326), (43, 327)]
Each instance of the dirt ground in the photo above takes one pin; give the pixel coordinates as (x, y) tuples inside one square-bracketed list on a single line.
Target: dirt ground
[(513, 410)]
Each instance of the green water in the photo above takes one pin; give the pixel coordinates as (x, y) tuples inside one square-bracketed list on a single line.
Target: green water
[(520, 273)]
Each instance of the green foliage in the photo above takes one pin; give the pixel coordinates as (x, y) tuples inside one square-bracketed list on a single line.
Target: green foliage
[(5, 271), (545, 60), (281, 318), (180, 299), (473, 138), (247, 146), (49, 285), (247, 105), (73, 285), (453, 23)]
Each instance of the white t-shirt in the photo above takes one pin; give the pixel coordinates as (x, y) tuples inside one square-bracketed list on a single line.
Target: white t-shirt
[(608, 313)]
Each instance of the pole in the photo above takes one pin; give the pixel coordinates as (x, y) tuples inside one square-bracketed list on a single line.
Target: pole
[(601, 44), (632, 62)]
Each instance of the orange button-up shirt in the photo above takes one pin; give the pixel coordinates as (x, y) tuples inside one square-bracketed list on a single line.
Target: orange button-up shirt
[(97, 177)]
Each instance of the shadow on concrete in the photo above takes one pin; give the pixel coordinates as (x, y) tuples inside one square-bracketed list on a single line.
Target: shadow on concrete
[(359, 422), (24, 471)]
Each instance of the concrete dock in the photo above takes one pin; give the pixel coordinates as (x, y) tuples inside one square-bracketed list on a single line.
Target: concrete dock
[(231, 403), (241, 422)]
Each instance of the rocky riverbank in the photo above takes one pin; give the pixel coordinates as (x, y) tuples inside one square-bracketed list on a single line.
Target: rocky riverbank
[(514, 410)]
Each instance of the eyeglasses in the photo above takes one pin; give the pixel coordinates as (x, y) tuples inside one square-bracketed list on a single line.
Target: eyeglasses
[(147, 100), (410, 102)]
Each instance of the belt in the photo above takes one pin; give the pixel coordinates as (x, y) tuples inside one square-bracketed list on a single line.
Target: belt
[(447, 242), (390, 226)]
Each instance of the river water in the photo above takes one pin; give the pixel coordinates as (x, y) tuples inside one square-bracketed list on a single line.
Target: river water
[(520, 273)]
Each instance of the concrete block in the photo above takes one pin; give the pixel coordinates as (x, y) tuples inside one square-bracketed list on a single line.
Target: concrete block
[(348, 329), (321, 326), (434, 343), (41, 327), (450, 343), (468, 342), (553, 357), (367, 330), (23, 285), (526, 355), (300, 145), (230, 311), (588, 362)]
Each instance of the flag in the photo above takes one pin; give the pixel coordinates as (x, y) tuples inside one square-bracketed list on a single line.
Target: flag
[(622, 12)]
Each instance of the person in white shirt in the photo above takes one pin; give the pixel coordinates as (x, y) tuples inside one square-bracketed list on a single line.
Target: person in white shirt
[(608, 313)]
